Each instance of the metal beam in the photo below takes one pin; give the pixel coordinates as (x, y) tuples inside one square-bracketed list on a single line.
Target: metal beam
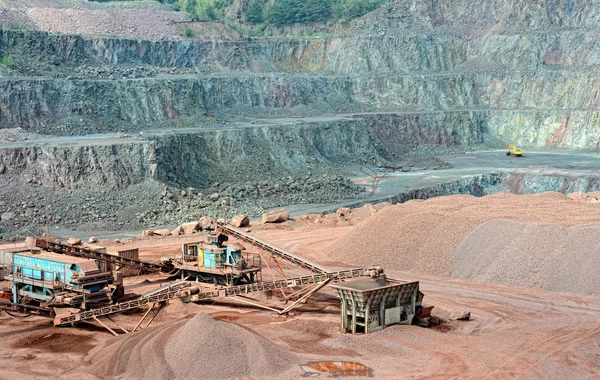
[(305, 297), (105, 326), (253, 302)]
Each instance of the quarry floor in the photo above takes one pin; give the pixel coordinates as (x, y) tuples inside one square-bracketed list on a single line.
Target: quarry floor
[(513, 332), (464, 166)]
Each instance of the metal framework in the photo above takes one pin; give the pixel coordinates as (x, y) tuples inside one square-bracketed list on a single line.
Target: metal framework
[(96, 255), (196, 294), (272, 250), (376, 303)]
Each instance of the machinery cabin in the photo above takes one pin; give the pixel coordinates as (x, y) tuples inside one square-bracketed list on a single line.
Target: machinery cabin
[(216, 262), (513, 150), (52, 280)]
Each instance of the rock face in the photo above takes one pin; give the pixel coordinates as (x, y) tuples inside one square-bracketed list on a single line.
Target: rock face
[(115, 165), (410, 78), (277, 216), (529, 79), (240, 221)]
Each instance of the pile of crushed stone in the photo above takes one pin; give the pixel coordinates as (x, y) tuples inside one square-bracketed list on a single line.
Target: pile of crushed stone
[(535, 255), (200, 347), (551, 238)]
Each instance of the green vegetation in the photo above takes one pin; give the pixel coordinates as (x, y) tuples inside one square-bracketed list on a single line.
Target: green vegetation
[(189, 33), (277, 12), (285, 12), (203, 10), (254, 14), (8, 62), (349, 9), (282, 12)]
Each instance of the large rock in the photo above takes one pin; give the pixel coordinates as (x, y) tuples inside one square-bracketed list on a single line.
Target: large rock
[(92, 240), (240, 221), (147, 233), (74, 241), (577, 195), (277, 216), (344, 211), (189, 228), (206, 223), (7, 216), (162, 232)]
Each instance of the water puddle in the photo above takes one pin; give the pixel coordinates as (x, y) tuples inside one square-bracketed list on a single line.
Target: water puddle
[(336, 369)]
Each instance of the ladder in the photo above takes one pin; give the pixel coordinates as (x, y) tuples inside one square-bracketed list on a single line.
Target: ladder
[(272, 250)]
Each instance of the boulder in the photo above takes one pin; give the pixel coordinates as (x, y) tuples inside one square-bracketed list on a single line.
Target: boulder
[(206, 223), (575, 195), (240, 221), (277, 216), (74, 241), (370, 208), (177, 231), (7, 216), (162, 232), (214, 197), (92, 240), (465, 317), (189, 228), (221, 221), (344, 211), (146, 233)]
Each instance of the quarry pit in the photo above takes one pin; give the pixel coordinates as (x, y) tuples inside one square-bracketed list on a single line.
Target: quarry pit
[(150, 150)]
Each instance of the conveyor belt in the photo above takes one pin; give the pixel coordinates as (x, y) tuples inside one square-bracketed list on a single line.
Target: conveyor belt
[(198, 295), (96, 255), (272, 250), (62, 319)]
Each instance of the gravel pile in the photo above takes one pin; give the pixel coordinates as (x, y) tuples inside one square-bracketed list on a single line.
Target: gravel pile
[(535, 255), (201, 347), (148, 24), (423, 236)]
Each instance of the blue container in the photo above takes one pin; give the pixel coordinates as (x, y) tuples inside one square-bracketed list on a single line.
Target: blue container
[(214, 257)]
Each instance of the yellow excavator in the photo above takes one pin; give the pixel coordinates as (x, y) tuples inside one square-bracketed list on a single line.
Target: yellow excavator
[(512, 149)]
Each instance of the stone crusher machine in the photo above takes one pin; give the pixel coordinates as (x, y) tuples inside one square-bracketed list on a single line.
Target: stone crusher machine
[(215, 262), (188, 291), (369, 305), (44, 281)]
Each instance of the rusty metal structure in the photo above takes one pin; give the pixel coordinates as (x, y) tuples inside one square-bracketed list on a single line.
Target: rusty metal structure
[(369, 305), (272, 250), (195, 294), (216, 262), (99, 255), (47, 281)]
